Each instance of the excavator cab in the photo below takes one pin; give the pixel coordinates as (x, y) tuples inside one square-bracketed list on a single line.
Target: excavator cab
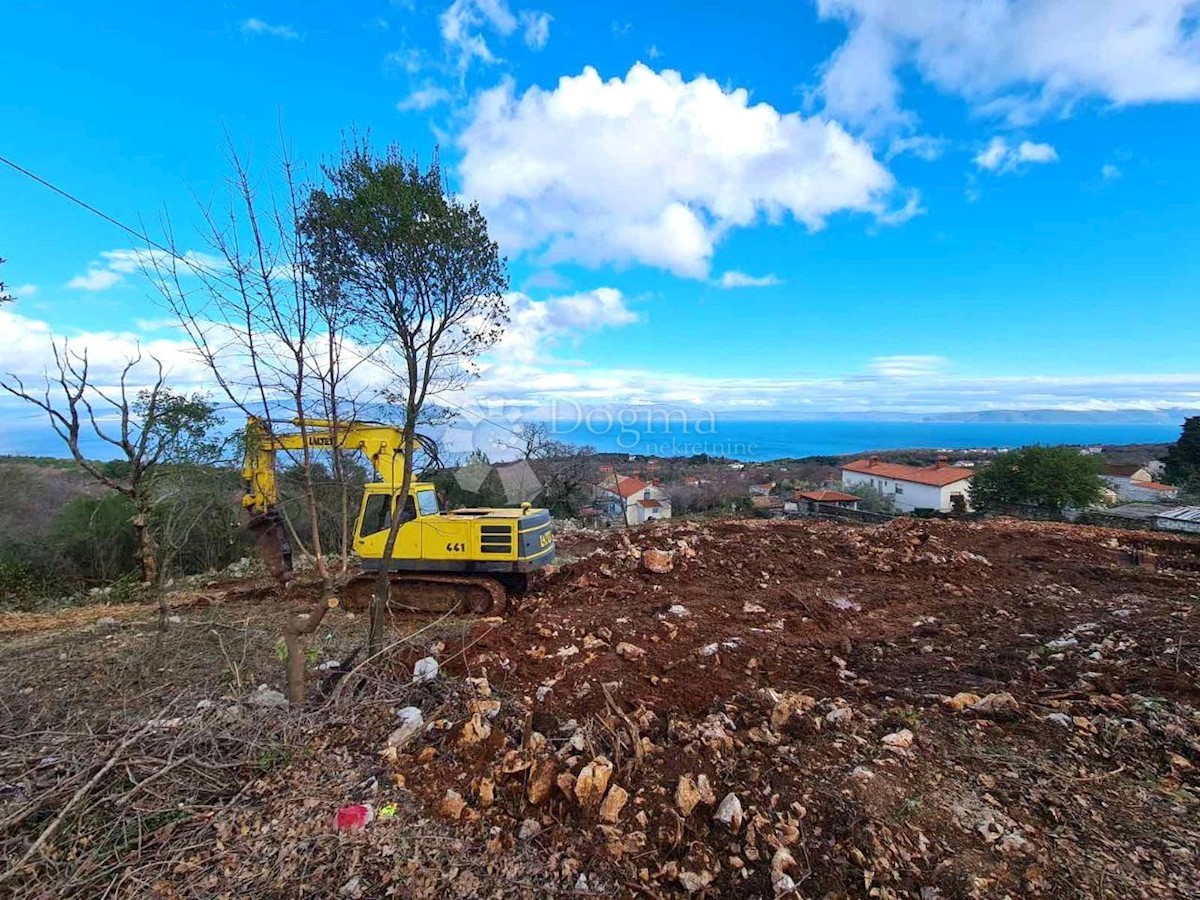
[(379, 505)]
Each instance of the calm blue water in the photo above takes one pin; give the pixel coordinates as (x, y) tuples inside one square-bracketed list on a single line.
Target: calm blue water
[(753, 440)]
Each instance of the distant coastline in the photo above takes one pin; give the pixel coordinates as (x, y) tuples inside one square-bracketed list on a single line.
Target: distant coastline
[(750, 440)]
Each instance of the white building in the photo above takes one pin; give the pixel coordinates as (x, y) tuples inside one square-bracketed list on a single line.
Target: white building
[(641, 501), (940, 487)]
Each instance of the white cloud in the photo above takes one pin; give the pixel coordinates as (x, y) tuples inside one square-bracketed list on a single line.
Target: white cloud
[(735, 279), (1109, 172), (1017, 58), (1036, 153), (463, 25), (114, 265), (24, 290), (537, 28), (424, 98), (1001, 156), (259, 27), (28, 353), (653, 169), (536, 325), (95, 280), (522, 381), (907, 366), (910, 210), (922, 146)]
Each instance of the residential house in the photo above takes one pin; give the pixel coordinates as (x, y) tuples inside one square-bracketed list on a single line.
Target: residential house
[(762, 490), (939, 487), (639, 501), (812, 501), (1134, 482), (1132, 471)]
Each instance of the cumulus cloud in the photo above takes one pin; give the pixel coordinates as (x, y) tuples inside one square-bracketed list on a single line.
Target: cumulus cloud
[(533, 390), (28, 353), (1001, 156), (536, 325), (1017, 58), (736, 279), (653, 169), (1109, 172), (254, 26)]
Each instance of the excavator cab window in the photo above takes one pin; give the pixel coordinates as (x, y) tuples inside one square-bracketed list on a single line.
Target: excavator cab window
[(409, 512), (427, 502), (376, 515)]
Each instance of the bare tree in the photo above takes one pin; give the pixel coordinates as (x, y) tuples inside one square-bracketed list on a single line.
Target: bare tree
[(278, 349), (418, 264), (561, 468), (148, 425)]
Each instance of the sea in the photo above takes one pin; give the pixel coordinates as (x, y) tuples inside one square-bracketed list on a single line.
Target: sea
[(752, 440), (739, 438)]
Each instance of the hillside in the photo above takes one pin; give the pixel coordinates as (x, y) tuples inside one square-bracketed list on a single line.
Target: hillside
[(923, 709)]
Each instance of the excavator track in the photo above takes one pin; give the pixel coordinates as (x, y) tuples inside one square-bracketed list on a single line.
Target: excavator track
[(429, 592)]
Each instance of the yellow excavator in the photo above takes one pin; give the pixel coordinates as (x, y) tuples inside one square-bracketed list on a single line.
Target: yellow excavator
[(470, 559)]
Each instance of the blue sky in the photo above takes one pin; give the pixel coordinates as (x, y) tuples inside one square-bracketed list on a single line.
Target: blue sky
[(795, 206)]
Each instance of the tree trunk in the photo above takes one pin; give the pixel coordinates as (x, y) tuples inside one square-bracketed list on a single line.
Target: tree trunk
[(383, 583), (146, 549), (148, 561), (293, 639)]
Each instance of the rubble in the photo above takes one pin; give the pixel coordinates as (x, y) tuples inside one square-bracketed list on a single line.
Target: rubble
[(265, 697), (614, 802), (660, 562), (729, 813)]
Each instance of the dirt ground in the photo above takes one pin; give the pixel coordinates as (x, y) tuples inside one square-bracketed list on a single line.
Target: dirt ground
[(805, 709)]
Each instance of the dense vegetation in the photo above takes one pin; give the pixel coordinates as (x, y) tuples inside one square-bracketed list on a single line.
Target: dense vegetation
[(1046, 477)]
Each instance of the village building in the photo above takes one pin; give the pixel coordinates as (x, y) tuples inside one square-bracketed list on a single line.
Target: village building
[(940, 487), (1182, 518), (1134, 482), (636, 500), (815, 501)]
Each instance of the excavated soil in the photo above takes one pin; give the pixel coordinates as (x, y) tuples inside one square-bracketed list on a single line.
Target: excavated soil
[(921, 709)]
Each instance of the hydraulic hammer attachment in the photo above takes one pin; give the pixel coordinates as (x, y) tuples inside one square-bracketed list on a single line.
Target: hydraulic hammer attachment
[(273, 545)]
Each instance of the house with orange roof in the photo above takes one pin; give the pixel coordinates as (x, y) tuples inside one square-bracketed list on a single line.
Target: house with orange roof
[(639, 501), (939, 487)]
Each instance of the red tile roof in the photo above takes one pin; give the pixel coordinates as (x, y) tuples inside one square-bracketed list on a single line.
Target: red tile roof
[(627, 487), (649, 504), (827, 496), (932, 475), (1155, 486)]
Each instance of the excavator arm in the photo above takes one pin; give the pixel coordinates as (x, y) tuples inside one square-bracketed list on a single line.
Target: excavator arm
[(382, 444)]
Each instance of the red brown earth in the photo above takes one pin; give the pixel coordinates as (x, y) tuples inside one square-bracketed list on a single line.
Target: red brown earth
[(922, 709)]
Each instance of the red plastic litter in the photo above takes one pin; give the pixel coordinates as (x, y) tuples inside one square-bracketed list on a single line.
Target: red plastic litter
[(353, 818)]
